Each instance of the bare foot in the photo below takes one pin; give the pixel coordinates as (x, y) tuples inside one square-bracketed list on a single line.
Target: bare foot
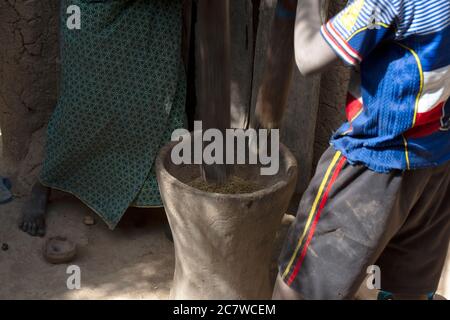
[(33, 212)]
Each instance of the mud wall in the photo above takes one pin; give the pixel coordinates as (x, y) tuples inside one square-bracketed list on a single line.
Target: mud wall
[(28, 83)]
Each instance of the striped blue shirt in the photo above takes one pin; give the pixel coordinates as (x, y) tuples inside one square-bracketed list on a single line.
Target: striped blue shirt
[(398, 106)]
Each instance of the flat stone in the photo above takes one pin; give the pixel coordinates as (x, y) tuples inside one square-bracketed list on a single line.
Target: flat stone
[(89, 220)]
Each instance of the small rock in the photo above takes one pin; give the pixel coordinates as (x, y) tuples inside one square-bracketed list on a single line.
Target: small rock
[(5, 247), (89, 221)]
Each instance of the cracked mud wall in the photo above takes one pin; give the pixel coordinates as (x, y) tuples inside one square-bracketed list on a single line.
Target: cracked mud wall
[(28, 84)]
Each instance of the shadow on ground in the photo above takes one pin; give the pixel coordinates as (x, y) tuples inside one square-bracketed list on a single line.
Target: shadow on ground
[(133, 262)]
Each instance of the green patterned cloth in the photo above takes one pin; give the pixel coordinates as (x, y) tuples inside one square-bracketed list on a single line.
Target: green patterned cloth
[(122, 94)]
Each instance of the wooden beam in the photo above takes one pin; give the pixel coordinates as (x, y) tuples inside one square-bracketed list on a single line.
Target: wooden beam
[(213, 59)]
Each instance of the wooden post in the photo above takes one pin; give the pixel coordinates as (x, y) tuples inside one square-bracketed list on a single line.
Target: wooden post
[(213, 59), (278, 69), (298, 126)]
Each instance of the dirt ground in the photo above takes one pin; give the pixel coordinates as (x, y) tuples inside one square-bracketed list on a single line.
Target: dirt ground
[(135, 261)]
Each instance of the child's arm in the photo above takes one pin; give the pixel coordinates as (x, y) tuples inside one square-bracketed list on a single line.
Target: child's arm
[(312, 53), (351, 35)]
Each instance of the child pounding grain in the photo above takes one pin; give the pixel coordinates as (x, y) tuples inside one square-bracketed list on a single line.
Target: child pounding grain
[(380, 193)]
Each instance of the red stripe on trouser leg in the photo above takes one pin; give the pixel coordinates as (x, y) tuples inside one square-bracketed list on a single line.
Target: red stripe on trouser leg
[(316, 220)]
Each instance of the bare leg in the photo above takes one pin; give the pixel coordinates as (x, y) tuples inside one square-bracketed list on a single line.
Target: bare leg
[(33, 212), (283, 292)]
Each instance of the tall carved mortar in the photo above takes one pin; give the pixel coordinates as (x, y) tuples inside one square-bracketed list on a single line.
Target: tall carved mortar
[(223, 242)]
